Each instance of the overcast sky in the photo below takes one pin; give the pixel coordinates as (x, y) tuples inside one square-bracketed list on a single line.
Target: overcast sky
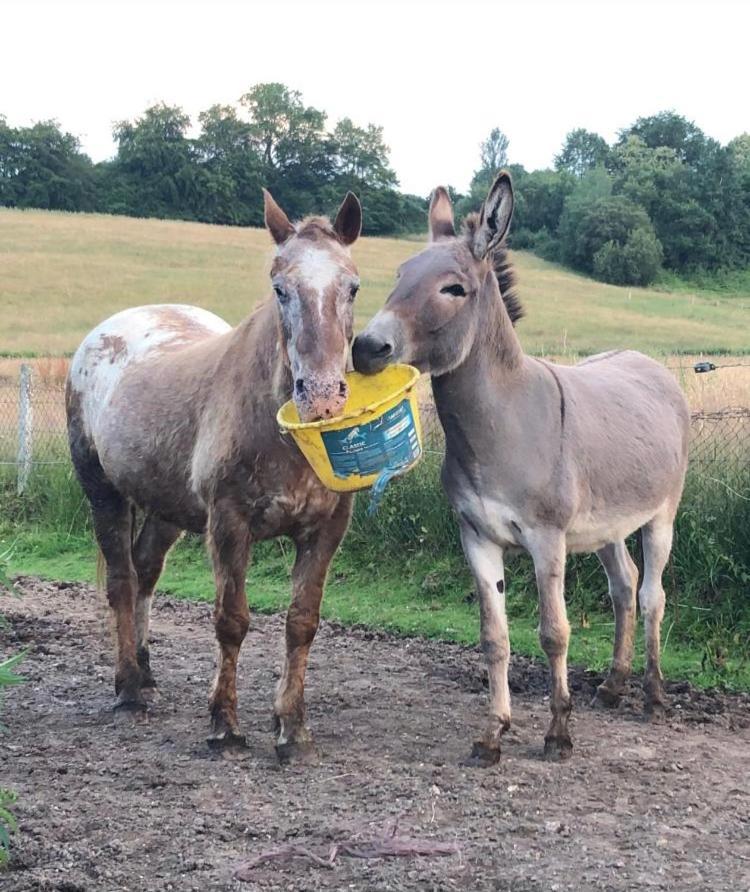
[(436, 75)]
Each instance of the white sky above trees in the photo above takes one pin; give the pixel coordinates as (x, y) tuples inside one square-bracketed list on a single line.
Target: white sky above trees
[(437, 75)]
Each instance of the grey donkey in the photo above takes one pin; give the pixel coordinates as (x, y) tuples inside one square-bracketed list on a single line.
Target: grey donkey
[(541, 457)]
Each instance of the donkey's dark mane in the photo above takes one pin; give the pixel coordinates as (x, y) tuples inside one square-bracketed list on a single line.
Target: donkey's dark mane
[(504, 271)]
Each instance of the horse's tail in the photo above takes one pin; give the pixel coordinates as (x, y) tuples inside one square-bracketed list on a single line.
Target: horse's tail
[(101, 571)]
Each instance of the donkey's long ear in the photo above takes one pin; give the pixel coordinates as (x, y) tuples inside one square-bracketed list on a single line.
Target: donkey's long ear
[(348, 222), (494, 218), (441, 215), (277, 222)]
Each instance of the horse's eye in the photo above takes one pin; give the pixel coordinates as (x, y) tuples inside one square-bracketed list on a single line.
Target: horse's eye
[(280, 294), (455, 290), (353, 291)]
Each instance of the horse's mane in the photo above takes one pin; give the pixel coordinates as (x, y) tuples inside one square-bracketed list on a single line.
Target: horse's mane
[(313, 227), (504, 271)]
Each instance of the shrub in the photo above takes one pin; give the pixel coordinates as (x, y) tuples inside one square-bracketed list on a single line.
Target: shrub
[(612, 238), (637, 262)]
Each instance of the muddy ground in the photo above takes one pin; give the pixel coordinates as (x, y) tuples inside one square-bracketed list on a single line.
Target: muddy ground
[(109, 802)]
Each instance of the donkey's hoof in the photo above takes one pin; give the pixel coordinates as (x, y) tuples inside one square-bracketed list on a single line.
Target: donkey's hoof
[(558, 748), (605, 698), (297, 752), (482, 755), (226, 738)]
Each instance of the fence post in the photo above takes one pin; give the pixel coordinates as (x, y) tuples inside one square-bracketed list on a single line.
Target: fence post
[(25, 428)]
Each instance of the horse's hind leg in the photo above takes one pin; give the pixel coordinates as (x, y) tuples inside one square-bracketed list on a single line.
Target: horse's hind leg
[(154, 540), (657, 543), (622, 576), (113, 527), (315, 550)]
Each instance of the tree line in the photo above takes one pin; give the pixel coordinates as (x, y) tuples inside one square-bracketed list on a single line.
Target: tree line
[(271, 138), (662, 195)]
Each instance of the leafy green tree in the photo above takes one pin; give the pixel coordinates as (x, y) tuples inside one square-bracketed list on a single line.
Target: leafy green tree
[(582, 151), (362, 156), (540, 199), (43, 167), (634, 262), (739, 148), (231, 169), (154, 173), (493, 155), (669, 129), (609, 236)]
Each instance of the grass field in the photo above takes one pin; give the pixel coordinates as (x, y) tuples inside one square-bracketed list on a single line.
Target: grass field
[(62, 273)]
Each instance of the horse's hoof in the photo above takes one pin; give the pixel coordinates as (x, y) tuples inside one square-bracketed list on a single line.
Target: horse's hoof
[(558, 748), (227, 738), (656, 711), (605, 698), (293, 752), (130, 701), (482, 755)]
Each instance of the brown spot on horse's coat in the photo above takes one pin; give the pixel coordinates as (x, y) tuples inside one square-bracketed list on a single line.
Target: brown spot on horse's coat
[(113, 347)]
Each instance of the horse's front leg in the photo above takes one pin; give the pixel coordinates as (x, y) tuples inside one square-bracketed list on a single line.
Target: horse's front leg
[(486, 562), (548, 553), (315, 550), (229, 540)]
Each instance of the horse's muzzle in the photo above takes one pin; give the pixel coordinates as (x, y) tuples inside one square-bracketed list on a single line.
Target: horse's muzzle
[(318, 398)]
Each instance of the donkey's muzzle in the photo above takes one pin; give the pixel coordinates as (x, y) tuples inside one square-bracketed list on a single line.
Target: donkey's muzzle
[(371, 353)]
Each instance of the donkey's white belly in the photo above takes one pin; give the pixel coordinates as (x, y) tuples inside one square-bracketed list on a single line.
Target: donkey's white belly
[(128, 337), (507, 527), (590, 533)]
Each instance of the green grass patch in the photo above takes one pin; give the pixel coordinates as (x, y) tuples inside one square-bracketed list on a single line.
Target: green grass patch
[(424, 596)]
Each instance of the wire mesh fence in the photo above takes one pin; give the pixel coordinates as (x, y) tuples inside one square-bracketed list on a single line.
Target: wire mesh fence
[(33, 433)]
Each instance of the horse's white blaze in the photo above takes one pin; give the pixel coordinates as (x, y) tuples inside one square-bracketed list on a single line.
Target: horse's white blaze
[(128, 337), (320, 272)]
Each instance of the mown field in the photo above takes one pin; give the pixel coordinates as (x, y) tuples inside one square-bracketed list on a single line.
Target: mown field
[(60, 274)]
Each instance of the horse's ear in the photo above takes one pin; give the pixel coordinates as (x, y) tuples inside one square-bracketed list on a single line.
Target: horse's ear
[(441, 215), (277, 222), (494, 218), (348, 222)]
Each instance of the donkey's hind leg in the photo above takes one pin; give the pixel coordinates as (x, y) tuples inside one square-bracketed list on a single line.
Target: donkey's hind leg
[(154, 540), (657, 543), (622, 576)]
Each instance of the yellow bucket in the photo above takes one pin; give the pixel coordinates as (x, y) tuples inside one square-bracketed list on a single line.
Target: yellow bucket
[(377, 435)]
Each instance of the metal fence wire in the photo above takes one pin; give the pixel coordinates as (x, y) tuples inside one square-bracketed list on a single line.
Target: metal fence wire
[(33, 432)]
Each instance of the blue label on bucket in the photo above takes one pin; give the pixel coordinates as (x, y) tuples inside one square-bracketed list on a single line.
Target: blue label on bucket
[(389, 441)]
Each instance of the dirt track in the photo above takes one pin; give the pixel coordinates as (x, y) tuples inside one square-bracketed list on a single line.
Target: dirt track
[(110, 802)]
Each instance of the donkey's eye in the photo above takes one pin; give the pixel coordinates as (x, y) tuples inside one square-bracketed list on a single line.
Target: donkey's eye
[(280, 294), (455, 290), (353, 291)]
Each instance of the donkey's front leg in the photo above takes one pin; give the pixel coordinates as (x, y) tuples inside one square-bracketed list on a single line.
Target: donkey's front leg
[(229, 539), (486, 562), (315, 550), (548, 553)]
